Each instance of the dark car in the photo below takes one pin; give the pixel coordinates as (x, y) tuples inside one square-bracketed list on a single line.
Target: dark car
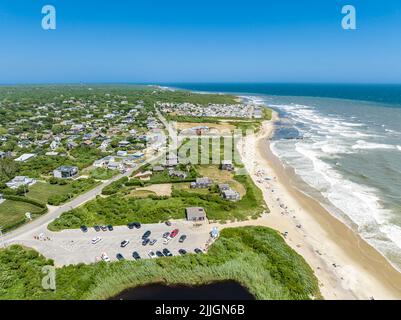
[(104, 228), (110, 227), (120, 257), (168, 223), (84, 228), (97, 228), (166, 235), (167, 252), (136, 255), (146, 235), (145, 241), (137, 225), (131, 225), (197, 250), (182, 252), (182, 238), (159, 254)]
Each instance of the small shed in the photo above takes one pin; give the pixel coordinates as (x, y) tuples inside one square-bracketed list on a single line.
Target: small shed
[(196, 214)]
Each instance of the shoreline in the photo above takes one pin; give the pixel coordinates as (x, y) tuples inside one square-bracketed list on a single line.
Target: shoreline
[(346, 266)]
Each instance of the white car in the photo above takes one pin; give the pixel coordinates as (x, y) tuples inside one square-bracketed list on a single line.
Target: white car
[(151, 254), (166, 240), (96, 240), (105, 257)]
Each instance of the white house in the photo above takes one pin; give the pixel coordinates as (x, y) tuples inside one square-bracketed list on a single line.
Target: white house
[(20, 181), (25, 157)]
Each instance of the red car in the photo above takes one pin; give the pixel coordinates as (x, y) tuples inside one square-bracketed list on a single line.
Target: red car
[(174, 233)]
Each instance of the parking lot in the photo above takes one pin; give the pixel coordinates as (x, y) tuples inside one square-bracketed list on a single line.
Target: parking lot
[(75, 246)]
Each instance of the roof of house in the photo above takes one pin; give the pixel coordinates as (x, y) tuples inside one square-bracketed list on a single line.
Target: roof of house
[(195, 212)]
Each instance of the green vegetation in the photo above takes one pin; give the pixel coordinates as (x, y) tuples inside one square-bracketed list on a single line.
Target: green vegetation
[(102, 174), (256, 257), (12, 213), (120, 209), (42, 191)]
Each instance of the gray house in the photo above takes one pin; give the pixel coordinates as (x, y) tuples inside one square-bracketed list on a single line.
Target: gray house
[(196, 214), (65, 172), (201, 183), (227, 165), (230, 194)]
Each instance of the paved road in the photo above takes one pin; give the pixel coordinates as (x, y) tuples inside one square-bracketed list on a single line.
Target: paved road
[(55, 212)]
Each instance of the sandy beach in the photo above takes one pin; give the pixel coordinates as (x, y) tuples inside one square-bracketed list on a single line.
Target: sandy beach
[(347, 266)]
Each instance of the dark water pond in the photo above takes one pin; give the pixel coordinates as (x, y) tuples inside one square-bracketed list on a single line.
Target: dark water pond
[(225, 290)]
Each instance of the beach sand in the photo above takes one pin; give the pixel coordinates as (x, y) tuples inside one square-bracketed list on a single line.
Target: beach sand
[(346, 266)]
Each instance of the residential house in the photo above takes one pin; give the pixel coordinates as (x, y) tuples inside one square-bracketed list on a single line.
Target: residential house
[(178, 174), (230, 194), (144, 175), (201, 183), (25, 157), (227, 165), (20, 181), (65, 172)]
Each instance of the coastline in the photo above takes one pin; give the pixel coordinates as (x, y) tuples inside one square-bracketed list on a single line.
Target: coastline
[(346, 265)]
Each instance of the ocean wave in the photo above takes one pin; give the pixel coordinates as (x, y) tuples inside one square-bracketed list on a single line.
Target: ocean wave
[(364, 145)]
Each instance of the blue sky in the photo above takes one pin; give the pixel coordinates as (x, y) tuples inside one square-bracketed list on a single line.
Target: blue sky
[(200, 41)]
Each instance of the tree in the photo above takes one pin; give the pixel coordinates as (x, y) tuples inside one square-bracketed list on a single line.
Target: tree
[(8, 168)]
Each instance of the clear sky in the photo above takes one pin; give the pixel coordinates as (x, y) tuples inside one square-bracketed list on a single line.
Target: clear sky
[(200, 41)]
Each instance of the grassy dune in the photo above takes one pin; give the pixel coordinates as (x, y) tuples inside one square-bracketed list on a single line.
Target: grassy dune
[(256, 257)]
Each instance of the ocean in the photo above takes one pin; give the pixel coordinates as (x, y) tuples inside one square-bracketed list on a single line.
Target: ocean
[(344, 143)]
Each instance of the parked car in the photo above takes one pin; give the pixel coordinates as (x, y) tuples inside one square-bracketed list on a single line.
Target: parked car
[(168, 223), (182, 252), (97, 228), (174, 233), (167, 252), (84, 228), (104, 228), (159, 254), (124, 243), (133, 225), (182, 238), (166, 240), (110, 227), (120, 257), (152, 242), (96, 240), (197, 250), (105, 257), (151, 254), (166, 235), (145, 241), (136, 255), (146, 235)]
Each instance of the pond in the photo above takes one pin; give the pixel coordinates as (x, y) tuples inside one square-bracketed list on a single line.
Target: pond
[(223, 290)]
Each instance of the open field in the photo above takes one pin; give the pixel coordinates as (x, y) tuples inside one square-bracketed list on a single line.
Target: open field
[(163, 190), (12, 213), (42, 191), (256, 257)]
